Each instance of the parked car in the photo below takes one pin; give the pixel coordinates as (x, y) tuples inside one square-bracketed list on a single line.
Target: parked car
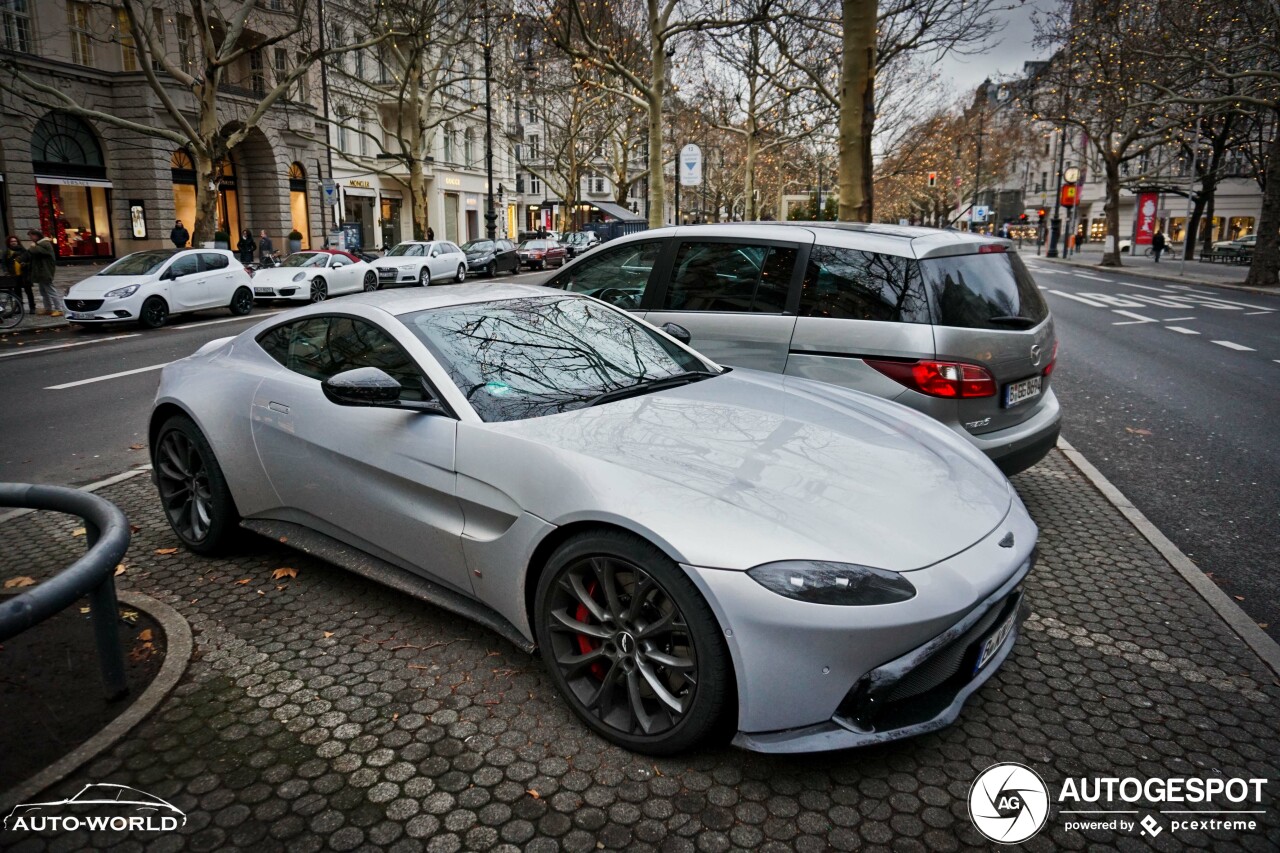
[(315, 275), (151, 286), (490, 257), (578, 242), (945, 322), (540, 254), (1242, 246), (421, 262), (686, 544)]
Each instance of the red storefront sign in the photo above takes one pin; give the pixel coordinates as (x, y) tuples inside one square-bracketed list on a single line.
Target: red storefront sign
[(1068, 195), (1146, 223)]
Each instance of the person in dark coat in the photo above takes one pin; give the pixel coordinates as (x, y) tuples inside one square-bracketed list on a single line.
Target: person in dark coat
[(246, 246), (42, 264), (179, 235), (16, 265), (1157, 244)]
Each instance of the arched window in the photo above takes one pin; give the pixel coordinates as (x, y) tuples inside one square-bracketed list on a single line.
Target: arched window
[(297, 177), (182, 168), (63, 144)]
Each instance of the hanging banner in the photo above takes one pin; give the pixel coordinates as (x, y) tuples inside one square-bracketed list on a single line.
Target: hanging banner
[(1146, 222)]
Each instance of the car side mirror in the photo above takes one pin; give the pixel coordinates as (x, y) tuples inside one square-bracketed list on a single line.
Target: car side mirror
[(680, 333), (168, 275), (374, 388)]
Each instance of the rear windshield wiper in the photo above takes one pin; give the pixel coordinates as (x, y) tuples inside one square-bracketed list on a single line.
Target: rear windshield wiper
[(644, 386), (1014, 320)]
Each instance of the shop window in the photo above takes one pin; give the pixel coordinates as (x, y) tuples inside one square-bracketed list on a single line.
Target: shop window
[(300, 221), (15, 16), (185, 53), (80, 32), (1239, 226)]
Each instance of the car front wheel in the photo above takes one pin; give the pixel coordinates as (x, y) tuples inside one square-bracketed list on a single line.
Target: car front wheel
[(462, 274), (424, 277), (154, 313), (632, 644), (193, 491), (319, 290), (370, 282)]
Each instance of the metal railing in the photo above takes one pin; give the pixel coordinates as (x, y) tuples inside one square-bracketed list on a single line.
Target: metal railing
[(107, 535)]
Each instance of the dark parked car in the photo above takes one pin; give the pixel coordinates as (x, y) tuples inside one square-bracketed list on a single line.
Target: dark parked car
[(540, 254), (578, 242), (490, 257)]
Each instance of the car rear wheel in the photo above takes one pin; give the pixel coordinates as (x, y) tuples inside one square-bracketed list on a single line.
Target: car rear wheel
[(154, 313), (424, 277), (319, 290), (370, 282), (462, 273), (193, 491), (632, 644), (241, 301)]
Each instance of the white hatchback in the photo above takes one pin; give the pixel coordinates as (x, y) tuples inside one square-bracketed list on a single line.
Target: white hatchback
[(314, 276), (421, 262), (148, 287)]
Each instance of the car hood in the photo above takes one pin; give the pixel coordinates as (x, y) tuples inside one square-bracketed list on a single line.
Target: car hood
[(768, 467), (396, 261), (283, 275), (98, 285)]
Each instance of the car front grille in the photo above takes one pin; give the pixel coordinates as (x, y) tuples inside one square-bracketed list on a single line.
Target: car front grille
[(84, 304), (387, 272)]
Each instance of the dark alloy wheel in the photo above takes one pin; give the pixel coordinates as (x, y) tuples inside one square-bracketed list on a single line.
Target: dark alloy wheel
[(154, 313), (193, 491), (370, 282), (319, 290), (241, 302), (632, 644)]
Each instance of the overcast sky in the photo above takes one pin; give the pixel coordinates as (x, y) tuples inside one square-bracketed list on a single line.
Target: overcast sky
[(1003, 58)]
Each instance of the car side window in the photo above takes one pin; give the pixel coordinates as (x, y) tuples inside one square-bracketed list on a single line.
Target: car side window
[(185, 265), (617, 275), (210, 261), (415, 251), (848, 284), (322, 347), (733, 277)]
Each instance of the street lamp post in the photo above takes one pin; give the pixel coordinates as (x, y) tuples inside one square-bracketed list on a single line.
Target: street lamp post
[(1055, 224), (490, 215)]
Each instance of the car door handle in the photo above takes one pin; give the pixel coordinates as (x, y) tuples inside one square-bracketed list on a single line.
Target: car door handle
[(278, 407)]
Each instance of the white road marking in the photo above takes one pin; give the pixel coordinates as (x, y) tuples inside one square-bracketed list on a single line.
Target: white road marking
[(1137, 318), (1077, 297), (65, 346), (1177, 319), (227, 320), (1182, 330), (1252, 313), (1235, 346), (1042, 270), (1093, 277), (1143, 286), (103, 378)]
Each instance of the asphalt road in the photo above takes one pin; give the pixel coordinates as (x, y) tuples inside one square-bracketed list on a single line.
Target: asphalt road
[(1173, 392)]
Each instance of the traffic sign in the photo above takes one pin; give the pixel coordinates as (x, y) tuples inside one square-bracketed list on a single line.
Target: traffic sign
[(329, 191), (690, 166), (980, 213)]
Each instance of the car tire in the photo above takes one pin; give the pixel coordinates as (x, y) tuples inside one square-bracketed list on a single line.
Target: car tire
[(241, 302), (461, 275), (193, 491), (424, 277), (370, 282), (613, 683), (491, 271), (319, 290), (154, 313)]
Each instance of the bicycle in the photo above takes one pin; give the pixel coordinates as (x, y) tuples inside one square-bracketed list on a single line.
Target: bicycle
[(11, 309)]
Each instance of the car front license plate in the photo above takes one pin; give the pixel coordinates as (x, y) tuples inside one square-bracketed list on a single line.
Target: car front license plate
[(1021, 392), (263, 291), (79, 316), (994, 641)]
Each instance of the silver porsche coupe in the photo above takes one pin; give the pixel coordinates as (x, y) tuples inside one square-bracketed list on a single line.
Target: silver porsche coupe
[(693, 550)]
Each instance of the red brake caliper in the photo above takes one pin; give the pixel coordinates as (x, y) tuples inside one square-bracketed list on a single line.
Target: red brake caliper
[(585, 643)]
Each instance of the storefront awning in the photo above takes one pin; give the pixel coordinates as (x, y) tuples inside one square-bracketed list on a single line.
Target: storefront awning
[(360, 191), (72, 182), (617, 211)]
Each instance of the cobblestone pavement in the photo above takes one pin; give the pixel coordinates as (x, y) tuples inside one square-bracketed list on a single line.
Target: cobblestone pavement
[(325, 712)]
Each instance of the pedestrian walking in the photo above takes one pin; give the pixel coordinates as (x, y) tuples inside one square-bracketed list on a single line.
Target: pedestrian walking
[(42, 258), (1157, 244), (179, 235), (431, 235), (17, 265), (245, 246), (265, 246)]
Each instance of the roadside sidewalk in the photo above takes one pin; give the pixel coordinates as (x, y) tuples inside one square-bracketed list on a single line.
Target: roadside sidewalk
[(1205, 274), (67, 275), (321, 711)]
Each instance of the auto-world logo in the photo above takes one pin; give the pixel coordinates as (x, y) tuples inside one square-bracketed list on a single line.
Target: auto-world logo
[(1008, 803), (99, 807)]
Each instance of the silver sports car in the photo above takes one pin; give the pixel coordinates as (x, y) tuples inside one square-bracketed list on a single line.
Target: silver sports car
[(688, 546)]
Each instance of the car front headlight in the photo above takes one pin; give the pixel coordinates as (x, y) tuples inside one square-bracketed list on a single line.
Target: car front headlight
[(121, 292), (820, 582), (299, 276)]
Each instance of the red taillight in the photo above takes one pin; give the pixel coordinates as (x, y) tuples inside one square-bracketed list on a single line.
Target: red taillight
[(988, 248), (1053, 359), (939, 378)]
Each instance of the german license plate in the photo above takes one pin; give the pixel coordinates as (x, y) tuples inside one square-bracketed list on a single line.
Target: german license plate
[(263, 291), (994, 641), (79, 316), (1021, 392)]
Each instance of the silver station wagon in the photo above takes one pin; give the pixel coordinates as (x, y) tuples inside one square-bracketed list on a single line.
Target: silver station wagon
[(948, 323)]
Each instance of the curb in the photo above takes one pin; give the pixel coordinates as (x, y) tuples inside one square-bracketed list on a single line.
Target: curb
[(178, 648), (1237, 620), (92, 487), (1175, 279)]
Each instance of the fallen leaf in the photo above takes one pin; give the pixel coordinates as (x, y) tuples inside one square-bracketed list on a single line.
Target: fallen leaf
[(284, 573), (144, 634), (120, 569), (1263, 625), (280, 588), (79, 531), (1138, 431), (133, 528), (128, 615), (244, 581), (84, 610), (395, 716), (656, 770), (19, 581), (164, 552), (534, 794), (284, 538), (1239, 598), (260, 592), (135, 447), (328, 634)]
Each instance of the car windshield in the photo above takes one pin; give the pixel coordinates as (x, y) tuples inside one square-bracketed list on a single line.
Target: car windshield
[(305, 259), (534, 244), (139, 263), (399, 251), (478, 246), (526, 358)]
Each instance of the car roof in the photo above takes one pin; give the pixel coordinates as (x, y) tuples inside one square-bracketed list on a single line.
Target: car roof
[(906, 240), (409, 300), (342, 252)]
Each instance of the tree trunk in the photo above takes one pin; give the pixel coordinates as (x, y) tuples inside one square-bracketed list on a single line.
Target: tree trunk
[(857, 109), (1111, 210), (418, 198), (1193, 227), (1210, 233), (206, 199), (749, 173), (1265, 268), (655, 97)]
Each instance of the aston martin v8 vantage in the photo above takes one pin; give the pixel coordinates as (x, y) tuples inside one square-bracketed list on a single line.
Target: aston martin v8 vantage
[(692, 549)]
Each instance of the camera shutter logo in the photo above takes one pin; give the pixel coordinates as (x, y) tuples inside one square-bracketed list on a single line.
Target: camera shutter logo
[(1008, 803)]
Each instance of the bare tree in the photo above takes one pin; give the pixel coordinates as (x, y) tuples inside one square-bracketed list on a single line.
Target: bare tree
[(193, 90)]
